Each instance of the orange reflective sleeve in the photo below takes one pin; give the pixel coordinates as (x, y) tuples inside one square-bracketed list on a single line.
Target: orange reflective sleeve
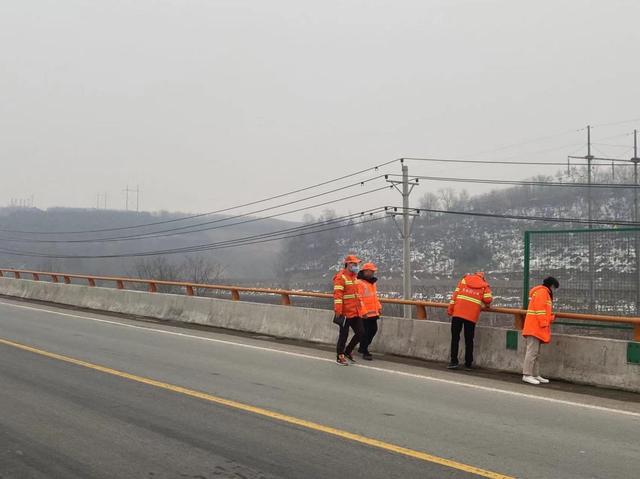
[(487, 295), (338, 293)]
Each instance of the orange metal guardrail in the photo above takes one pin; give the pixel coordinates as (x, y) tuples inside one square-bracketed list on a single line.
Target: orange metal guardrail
[(190, 289)]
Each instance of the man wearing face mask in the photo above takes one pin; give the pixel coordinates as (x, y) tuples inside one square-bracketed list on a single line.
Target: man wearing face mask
[(537, 328), (348, 308)]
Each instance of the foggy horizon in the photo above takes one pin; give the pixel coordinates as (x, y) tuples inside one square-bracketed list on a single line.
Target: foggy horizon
[(206, 105)]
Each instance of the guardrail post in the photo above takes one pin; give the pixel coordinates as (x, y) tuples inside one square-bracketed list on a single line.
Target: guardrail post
[(16, 275), (119, 284), (1, 274), (518, 321), (235, 295), (190, 291), (421, 311), (54, 278), (36, 276), (636, 332), (286, 300), (67, 280), (91, 281), (152, 288)]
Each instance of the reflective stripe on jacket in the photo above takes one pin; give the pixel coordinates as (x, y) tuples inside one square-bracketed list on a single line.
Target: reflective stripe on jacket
[(346, 298), (468, 298), (369, 295), (540, 315)]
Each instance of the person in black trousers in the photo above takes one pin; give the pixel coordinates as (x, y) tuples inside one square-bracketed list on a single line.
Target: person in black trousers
[(472, 294), (372, 307)]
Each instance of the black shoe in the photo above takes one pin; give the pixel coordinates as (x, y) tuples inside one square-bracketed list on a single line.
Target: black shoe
[(349, 357), (367, 356), (453, 365), (468, 367)]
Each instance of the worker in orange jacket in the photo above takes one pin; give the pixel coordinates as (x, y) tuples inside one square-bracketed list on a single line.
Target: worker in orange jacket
[(470, 296), (372, 307), (348, 308), (537, 328)]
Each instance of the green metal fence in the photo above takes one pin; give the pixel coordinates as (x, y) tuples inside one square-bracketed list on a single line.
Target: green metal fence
[(598, 269)]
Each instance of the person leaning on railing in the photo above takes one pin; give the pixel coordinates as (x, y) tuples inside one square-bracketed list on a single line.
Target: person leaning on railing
[(471, 295), (537, 328)]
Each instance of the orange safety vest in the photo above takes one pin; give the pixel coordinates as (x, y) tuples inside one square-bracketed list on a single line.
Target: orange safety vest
[(346, 297), (369, 293), (469, 296), (540, 315)]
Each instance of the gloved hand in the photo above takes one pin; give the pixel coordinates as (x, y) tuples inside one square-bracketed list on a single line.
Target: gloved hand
[(339, 319)]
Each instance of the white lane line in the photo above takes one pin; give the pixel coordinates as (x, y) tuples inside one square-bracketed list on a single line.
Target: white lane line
[(318, 358)]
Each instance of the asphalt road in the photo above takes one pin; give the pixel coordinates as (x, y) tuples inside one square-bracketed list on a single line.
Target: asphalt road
[(219, 405)]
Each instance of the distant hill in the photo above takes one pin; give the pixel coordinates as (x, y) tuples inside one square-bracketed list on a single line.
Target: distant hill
[(443, 246), (254, 261), (447, 246)]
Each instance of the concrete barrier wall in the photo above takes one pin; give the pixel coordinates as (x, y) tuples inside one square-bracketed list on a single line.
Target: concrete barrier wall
[(595, 361)]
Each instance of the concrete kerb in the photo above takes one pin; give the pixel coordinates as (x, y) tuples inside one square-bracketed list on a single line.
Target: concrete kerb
[(586, 360)]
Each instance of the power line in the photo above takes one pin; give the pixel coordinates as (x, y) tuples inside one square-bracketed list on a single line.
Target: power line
[(545, 150), (501, 162), (200, 215), (208, 228), (296, 229), (613, 145), (525, 182), (484, 162), (548, 137), (530, 218), (526, 142), (294, 232), (244, 215), (618, 161), (349, 222), (633, 120), (371, 220), (556, 148), (319, 227)]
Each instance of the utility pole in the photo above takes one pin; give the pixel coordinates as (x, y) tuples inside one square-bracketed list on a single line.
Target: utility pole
[(102, 197), (589, 215), (406, 241), (635, 161), (589, 157), (405, 232), (127, 190)]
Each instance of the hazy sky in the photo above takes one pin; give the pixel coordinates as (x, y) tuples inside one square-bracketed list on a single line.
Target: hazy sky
[(207, 104)]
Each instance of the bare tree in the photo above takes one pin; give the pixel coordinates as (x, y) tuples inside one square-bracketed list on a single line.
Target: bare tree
[(430, 201), (193, 269), (448, 197), (202, 270), (160, 268), (157, 267), (462, 201)]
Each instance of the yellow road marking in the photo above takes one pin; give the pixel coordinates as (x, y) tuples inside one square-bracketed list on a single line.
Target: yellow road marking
[(266, 413)]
